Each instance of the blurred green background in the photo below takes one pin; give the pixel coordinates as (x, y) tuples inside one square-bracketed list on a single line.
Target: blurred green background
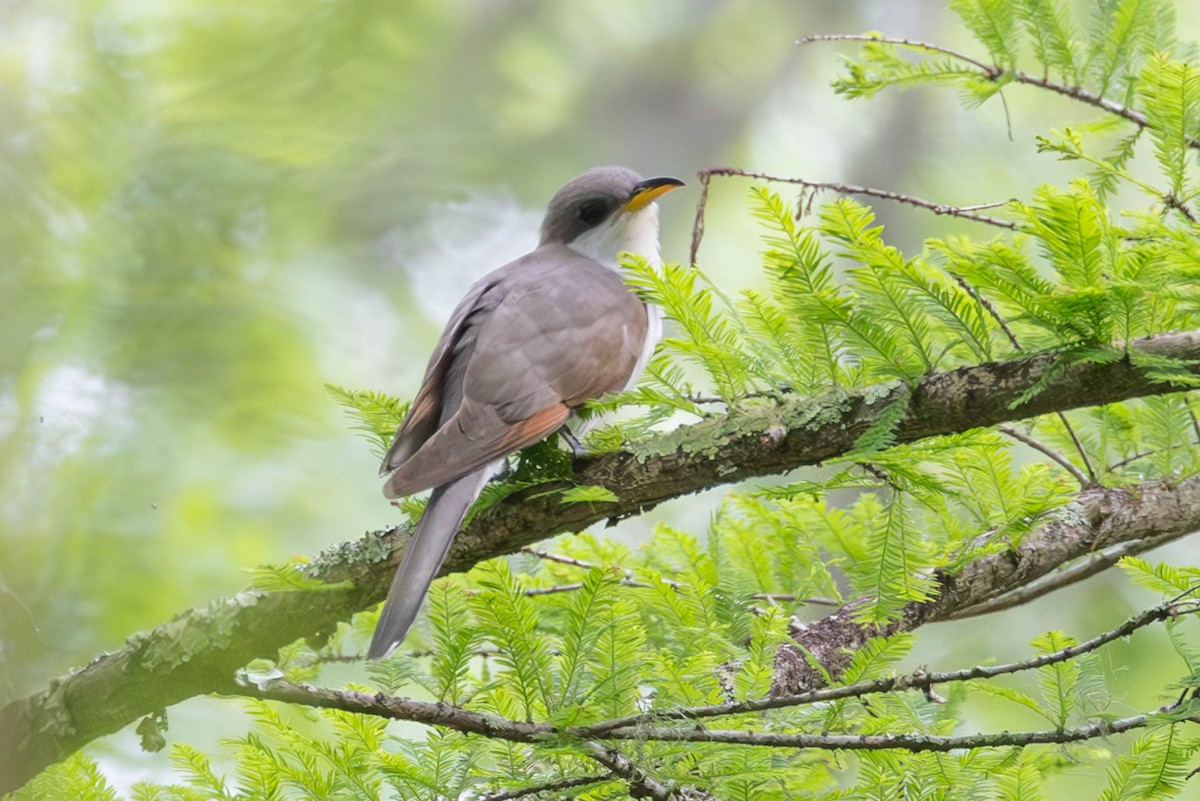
[(209, 209)]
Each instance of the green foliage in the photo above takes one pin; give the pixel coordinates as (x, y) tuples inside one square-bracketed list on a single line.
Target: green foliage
[(1119, 37), (1170, 91), (1020, 781), (1169, 580), (883, 65), (377, 415), (509, 617), (1156, 767), (1053, 36), (606, 631), (895, 562), (995, 25), (701, 625), (1057, 681), (290, 577), (707, 335)]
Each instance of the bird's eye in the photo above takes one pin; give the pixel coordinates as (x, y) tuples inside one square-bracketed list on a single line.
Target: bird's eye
[(593, 213)]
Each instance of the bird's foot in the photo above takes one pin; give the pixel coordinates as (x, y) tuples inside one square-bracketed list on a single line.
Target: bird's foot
[(572, 441)]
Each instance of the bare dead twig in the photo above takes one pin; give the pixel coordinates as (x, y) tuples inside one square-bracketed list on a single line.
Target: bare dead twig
[(964, 212), (1087, 463), (1038, 445), (698, 224)]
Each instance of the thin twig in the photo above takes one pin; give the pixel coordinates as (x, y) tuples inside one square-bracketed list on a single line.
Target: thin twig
[(788, 597), (1172, 202), (641, 784), (555, 589), (557, 557), (914, 743), (628, 581), (919, 680), (1195, 422), (548, 787), (1037, 445), (1087, 463), (698, 224), (494, 726), (1138, 456), (994, 73), (965, 212), (584, 565), (713, 399), (991, 71), (988, 306), (1085, 480), (1082, 95)]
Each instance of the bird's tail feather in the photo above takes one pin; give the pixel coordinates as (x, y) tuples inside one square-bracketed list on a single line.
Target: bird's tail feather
[(423, 557)]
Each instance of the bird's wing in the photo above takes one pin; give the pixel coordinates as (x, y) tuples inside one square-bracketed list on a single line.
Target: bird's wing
[(563, 329), (425, 413)]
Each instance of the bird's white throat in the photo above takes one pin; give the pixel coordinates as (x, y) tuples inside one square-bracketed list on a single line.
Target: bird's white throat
[(637, 233), (633, 232)]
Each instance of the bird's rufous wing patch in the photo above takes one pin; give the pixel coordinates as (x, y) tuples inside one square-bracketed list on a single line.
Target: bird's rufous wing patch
[(451, 453)]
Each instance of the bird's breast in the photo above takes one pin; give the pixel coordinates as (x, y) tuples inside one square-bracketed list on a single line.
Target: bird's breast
[(654, 329)]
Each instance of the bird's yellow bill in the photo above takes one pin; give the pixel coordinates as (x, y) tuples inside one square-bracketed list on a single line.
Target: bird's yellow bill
[(649, 191)]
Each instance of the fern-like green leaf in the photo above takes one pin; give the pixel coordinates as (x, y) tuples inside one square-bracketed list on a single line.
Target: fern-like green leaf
[(896, 569), (1048, 24), (1155, 768), (994, 23), (588, 611), (1170, 93), (377, 414), (877, 658), (1057, 681), (511, 622), (455, 640), (1161, 577), (1121, 33), (1021, 781)]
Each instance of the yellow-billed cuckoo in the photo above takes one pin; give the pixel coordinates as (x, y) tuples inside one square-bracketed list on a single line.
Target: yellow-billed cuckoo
[(529, 343)]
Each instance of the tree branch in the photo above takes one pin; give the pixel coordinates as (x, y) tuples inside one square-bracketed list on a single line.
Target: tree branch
[(548, 787), (989, 70), (884, 742), (1074, 573), (197, 651), (1058, 458), (468, 722), (1098, 518), (640, 784)]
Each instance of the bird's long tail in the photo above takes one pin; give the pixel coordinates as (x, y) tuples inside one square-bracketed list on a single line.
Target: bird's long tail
[(423, 557)]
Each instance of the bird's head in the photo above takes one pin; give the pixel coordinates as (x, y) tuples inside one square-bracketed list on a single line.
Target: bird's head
[(606, 211)]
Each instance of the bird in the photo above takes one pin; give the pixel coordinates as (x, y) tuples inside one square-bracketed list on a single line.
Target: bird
[(530, 343)]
